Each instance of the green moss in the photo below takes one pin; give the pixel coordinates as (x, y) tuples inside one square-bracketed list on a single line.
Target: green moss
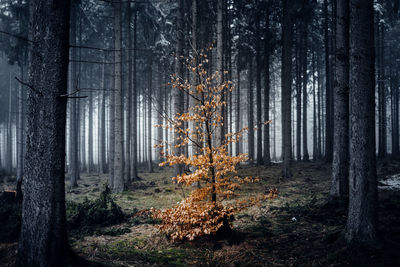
[(102, 211), (127, 249)]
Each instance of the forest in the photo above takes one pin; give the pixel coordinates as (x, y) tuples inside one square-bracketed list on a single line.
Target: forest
[(199, 133)]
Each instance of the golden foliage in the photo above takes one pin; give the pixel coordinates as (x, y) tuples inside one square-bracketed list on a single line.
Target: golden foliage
[(203, 212)]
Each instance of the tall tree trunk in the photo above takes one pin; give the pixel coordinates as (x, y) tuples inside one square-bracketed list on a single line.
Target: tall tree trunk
[(315, 126), (90, 128), (319, 108), (149, 118), (134, 174), (362, 218), (381, 90), (83, 134), (43, 240), (129, 119), (178, 94), (305, 81), (340, 167), (9, 154), (118, 185), (266, 137), (250, 115), (160, 108), (328, 108), (286, 82), (394, 89), (74, 119), (220, 68), (238, 144), (299, 66), (103, 162), (20, 131), (258, 92)]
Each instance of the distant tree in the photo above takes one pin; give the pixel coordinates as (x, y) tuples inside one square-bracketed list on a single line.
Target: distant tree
[(43, 240)]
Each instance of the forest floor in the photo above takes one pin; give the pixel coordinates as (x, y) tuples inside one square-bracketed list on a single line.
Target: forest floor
[(298, 228)]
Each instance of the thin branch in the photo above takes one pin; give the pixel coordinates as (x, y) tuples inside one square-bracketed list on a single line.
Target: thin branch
[(29, 86), (17, 36)]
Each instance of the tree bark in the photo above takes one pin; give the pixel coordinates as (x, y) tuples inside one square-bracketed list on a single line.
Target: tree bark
[(328, 100), (306, 157), (286, 83), (20, 131), (129, 118), (382, 148), (118, 185), (361, 225), (74, 119), (220, 68), (258, 92), (134, 174), (250, 115), (43, 240), (340, 166), (149, 117), (298, 49), (178, 94), (266, 127), (103, 162)]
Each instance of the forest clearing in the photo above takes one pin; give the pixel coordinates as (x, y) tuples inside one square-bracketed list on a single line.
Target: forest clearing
[(297, 228)]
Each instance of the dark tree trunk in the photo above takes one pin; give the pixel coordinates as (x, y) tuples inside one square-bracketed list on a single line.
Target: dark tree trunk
[(298, 93), (266, 127), (315, 125), (286, 87), (328, 99), (258, 92), (178, 94), (394, 89), (220, 68), (382, 147), (118, 185), (340, 166), (20, 131), (305, 81), (129, 119), (43, 240), (362, 218), (239, 143), (134, 174), (90, 166), (319, 108), (102, 159), (74, 119), (250, 115), (149, 116), (9, 154)]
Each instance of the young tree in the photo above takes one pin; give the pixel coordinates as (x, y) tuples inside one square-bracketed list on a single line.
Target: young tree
[(43, 240), (203, 211), (361, 223)]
